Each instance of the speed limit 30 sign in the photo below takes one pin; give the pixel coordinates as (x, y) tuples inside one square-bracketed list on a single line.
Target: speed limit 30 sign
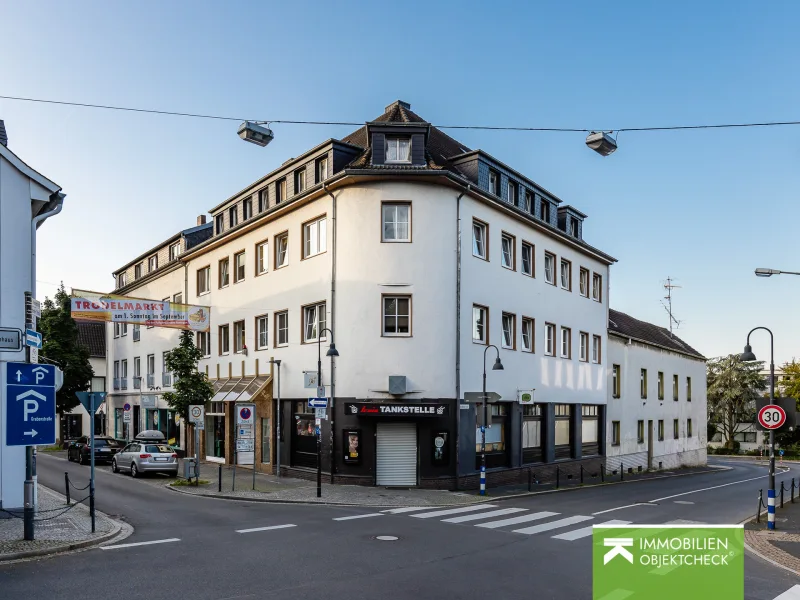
[(771, 416)]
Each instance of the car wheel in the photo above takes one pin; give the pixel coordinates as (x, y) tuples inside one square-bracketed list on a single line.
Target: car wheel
[(134, 470), (114, 465), (69, 456)]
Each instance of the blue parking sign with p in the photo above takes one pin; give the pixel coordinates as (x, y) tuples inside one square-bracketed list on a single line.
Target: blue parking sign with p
[(30, 404)]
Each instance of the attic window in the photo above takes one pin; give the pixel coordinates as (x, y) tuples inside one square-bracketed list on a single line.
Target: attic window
[(573, 227), (398, 150)]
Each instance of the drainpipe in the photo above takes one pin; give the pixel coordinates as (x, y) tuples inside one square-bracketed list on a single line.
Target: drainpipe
[(333, 325), (458, 332)]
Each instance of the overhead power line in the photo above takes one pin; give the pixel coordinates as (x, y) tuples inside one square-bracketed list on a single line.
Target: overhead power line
[(358, 124)]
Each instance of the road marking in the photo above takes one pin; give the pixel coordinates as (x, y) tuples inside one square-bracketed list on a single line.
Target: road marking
[(264, 528), (358, 516), (118, 546), (553, 525), (682, 502), (491, 513), (515, 520), (602, 512), (453, 511), (405, 509), (713, 487), (792, 593), (577, 534)]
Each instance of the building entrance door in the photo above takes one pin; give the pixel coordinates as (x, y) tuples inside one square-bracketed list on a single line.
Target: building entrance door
[(396, 455)]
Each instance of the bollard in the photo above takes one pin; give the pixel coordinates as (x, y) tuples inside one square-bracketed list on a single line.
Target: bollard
[(782, 494), (66, 485), (581, 474), (530, 479), (219, 478), (791, 495), (602, 473), (621, 472), (760, 503), (558, 476)]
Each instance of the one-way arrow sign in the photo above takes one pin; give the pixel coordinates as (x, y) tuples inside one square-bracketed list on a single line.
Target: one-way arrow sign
[(31, 433), (478, 397)]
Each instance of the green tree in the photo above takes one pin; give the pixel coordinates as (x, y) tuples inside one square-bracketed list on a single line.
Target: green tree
[(732, 388), (61, 347), (789, 385), (191, 386)]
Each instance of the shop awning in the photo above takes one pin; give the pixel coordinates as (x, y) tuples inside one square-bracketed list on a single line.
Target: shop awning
[(238, 389)]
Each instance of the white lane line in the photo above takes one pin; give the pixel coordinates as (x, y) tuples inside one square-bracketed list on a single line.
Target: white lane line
[(553, 525), (486, 515), (682, 502), (713, 487), (602, 512), (406, 509), (358, 516), (515, 520), (583, 532), (264, 528), (792, 593), (453, 511), (118, 546)]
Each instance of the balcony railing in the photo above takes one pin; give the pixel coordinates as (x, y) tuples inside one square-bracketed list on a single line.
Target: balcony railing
[(151, 380), (166, 379), (123, 383), (116, 383), (137, 383)]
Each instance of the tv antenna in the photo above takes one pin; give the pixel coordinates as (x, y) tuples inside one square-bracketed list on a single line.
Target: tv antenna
[(669, 286)]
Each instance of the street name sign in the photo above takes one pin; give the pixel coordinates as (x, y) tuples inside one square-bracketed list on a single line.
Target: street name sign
[(30, 404), (318, 403), (10, 339), (33, 354), (771, 416), (33, 338), (478, 397)]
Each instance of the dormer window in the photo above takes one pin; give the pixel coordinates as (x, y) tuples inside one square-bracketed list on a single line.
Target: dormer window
[(512, 193), (494, 182), (219, 223), (544, 210), (573, 227), (398, 150), (233, 216), (122, 280)]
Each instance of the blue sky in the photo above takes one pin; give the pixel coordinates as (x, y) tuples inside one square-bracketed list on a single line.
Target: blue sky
[(704, 207)]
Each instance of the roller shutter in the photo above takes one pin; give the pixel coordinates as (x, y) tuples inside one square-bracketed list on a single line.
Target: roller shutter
[(397, 454)]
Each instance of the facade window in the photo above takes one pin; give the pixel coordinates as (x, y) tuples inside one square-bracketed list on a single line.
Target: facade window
[(262, 257), (643, 384), (512, 193), (397, 316), (282, 328), (590, 426), (322, 169), (616, 381), (151, 367), (137, 372), (660, 385), (122, 280), (573, 227), (262, 332), (396, 219), (177, 298), (549, 268), (688, 389), (174, 251), (563, 413), (299, 181), (640, 432), (566, 275), (238, 267), (566, 342), (479, 245), (527, 259), (584, 282), (532, 426), (239, 342), (509, 331), (689, 430), (280, 190), (124, 327), (675, 429), (528, 207), (494, 182), (204, 342), (661, 430), (281, 250), (398, 150), (549, 339), (219, 223), (675, 388), (137, 332), (596, 358), (313, 322), (544, 210), (224, 339), (263, 199), (203, 280), (224, 272), (480, 318), (597, 287), (508, 245), (584, 355), (527, 334), (315, 237), (247, 209), (233, 216), (152, 263), (615, 433)]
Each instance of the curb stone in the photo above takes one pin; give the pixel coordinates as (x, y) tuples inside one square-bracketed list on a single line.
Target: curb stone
[(121, 529)]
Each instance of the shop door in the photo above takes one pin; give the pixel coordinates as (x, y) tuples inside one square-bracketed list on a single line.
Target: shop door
[(397, 455)]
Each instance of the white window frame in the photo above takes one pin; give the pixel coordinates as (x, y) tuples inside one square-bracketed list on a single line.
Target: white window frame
[(511, 190), (262, 332), (322, 169), (550, 274), (204, 343), (300, 181), (583, 282), (529, 248), (584, 351), (315, 237), (219, 223), (528, 202), (151, 364), (137, 367), (204, 274), (224, 271), (233, 216), (263, 199), (314, 318), (122, 280), (224, 334), (616, 383), (509, 323), (494, 182), (527, 334), (174, 251), (396, 316), (394, 143), (565, 269), (281, 327), (262, 257), (566, 336), (239, 267), (507, 250), (280, 190), (549, 339), (480, 246), (393, 217), (239, 338), (597, 290), (544, 210), (137, 271), (282, 246), (247, 209), (124, 329), (480, 319), (152, 263), (597, 350)]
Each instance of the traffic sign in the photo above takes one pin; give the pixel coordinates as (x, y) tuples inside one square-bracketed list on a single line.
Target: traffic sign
[(30, 404), (197, 412), (33, 354), (245, 445), (771, 416), (321, 391), (478, 397), (245, 414), (33, 338), (36, 308), (321, 413), (126, 417), (126, 407), (10, 339), (318, 403), (91, 401), (310, 379)]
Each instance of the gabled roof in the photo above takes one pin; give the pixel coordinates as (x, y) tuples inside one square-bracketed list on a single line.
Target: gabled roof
[(92, 335), (625, 326)]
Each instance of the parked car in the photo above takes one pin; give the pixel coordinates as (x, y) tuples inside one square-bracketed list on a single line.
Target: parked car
[(143, 457), (104, 449)]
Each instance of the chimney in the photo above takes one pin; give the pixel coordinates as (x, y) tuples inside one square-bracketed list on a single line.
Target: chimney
[(3, 134), (201, 220)]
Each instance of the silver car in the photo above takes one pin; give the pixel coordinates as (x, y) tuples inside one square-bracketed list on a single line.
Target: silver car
[(146, 457)]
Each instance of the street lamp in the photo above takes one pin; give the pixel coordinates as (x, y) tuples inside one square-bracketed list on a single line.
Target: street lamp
[(601, 142), (761, 272), (332, 352), (272, 361), (497, 366), (748, 355), (253, 132)]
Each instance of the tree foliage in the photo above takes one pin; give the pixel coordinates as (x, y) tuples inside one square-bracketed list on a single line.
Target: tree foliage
[(61, 347), (733, 386), (191, 386), (789, 385)]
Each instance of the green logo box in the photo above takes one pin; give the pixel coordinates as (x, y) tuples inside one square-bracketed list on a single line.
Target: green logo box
[(667, 562)]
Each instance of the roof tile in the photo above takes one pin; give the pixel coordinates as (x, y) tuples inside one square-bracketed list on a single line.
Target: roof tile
[(624, 325)]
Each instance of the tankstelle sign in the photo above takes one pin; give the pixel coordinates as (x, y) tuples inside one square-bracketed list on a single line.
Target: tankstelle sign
[(93, 306)]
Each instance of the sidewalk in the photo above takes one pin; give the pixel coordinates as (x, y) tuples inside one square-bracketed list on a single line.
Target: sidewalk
[(57, 528), (782, 545)]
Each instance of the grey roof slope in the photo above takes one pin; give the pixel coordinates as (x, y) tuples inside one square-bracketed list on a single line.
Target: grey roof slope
[(626, 326), (92, 335)]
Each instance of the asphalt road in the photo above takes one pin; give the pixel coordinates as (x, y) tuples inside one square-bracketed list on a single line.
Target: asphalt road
[(315, 551)]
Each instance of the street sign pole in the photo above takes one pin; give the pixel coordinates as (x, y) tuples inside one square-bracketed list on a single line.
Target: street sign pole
[(319, 427), (483, 435), (771, 490), (28, 512), (91, 463)]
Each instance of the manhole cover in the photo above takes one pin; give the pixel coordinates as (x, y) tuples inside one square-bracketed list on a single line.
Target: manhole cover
[(386, 538)]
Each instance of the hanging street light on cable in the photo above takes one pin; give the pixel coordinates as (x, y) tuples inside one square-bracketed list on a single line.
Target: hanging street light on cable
[(255, 132), (601, 142)]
